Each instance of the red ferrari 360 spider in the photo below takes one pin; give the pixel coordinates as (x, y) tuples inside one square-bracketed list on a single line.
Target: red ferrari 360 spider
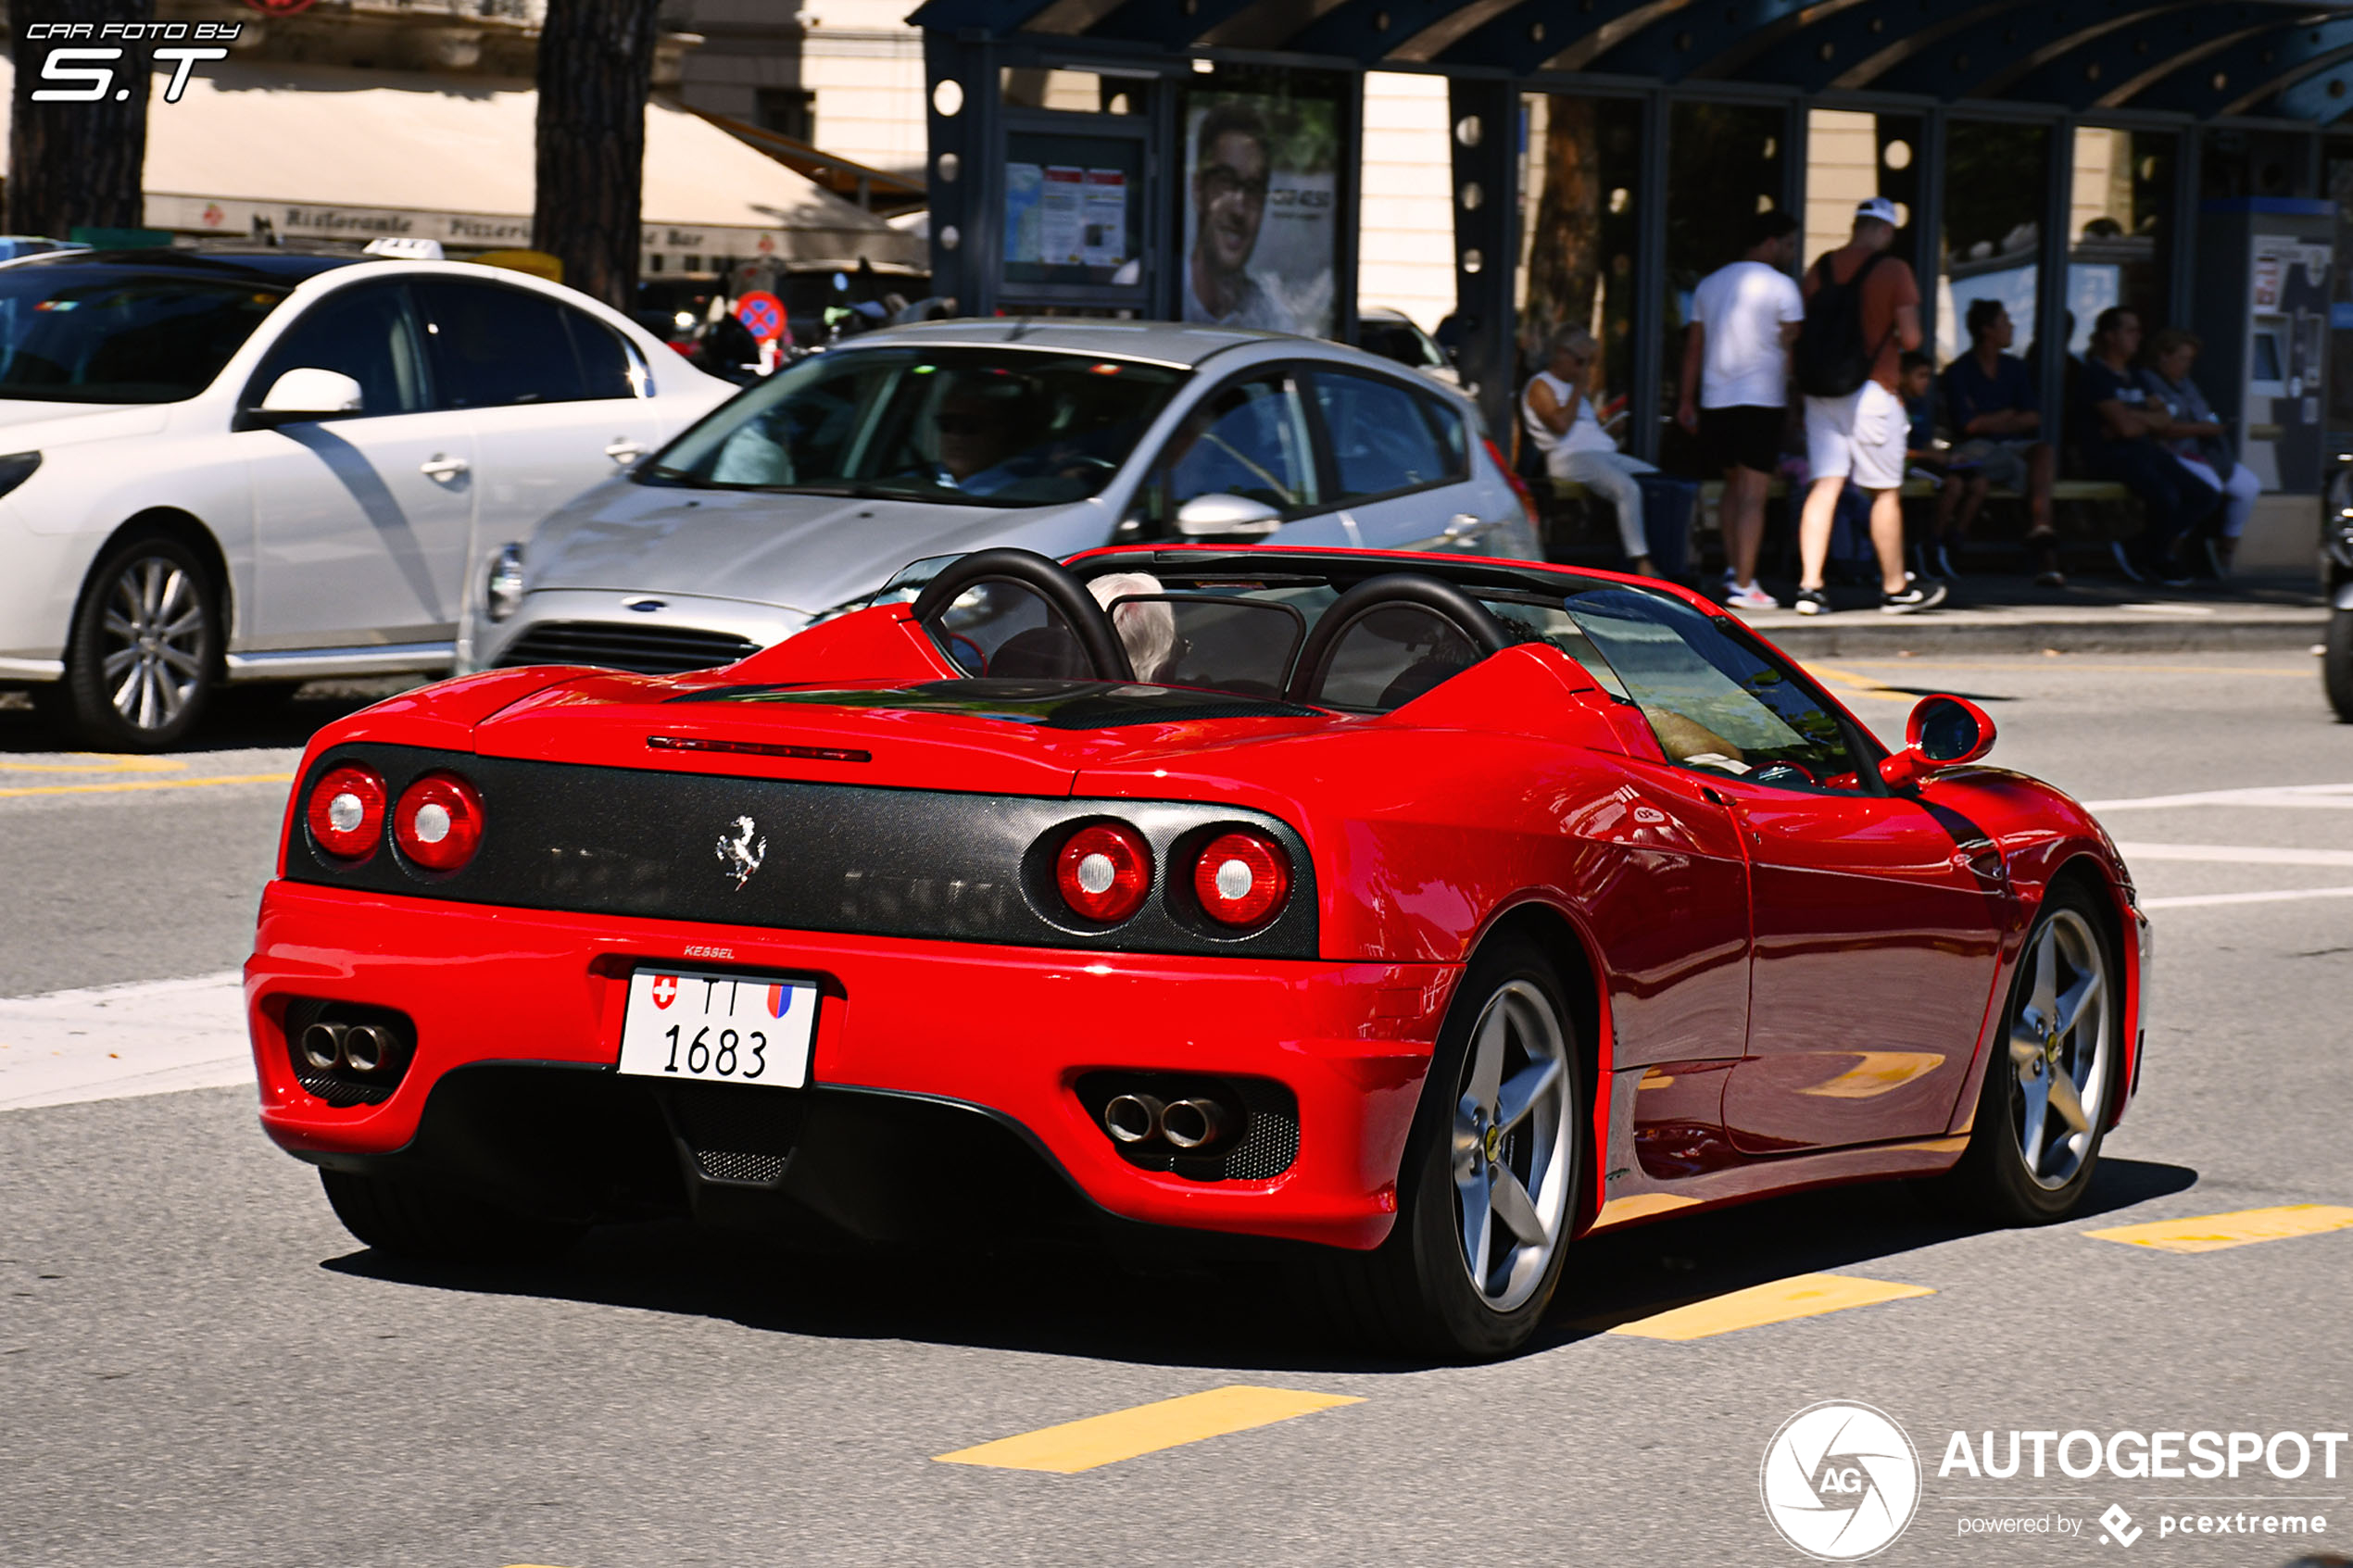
[(1422, 913)]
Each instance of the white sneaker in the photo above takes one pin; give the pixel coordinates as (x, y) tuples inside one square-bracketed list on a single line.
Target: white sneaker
[(1749, 598)]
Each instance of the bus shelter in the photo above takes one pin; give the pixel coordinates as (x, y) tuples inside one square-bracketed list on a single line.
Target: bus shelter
[(1198, 159)]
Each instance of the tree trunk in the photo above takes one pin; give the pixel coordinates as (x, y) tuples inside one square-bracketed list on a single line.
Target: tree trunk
[(595, 68), (1564, 254), (76, 164)]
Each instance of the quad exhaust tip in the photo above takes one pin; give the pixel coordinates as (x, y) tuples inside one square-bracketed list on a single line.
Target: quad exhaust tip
[(367, 1048), (1186, 1124), (322, 1046), (1193, 1123), (1131, 1118)]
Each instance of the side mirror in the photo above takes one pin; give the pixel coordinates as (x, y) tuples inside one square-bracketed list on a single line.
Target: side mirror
[(1220, 516), (310, 393), (1943, 732)]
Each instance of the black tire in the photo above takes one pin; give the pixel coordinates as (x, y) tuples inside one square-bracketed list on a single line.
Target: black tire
[(409, 1219), (1414, 1294), (2336, 664), (1992, 1182), (151, 608)]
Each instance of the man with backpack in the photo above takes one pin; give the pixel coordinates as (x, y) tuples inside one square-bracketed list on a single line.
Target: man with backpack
[(1862, 316)]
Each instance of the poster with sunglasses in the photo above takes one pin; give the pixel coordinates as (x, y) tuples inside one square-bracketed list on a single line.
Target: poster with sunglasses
[(1261, 198)]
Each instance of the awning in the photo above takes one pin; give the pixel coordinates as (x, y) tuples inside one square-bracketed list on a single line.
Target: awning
[(327, 153)]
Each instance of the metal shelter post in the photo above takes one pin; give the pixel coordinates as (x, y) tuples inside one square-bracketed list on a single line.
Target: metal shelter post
[(1483, 125)]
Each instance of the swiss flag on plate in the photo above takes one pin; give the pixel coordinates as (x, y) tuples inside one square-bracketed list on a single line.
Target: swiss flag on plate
[(666, 990)]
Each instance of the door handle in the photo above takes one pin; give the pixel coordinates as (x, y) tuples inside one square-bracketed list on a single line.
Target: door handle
[(1462, 525), (439, 467), (1710, 795), (624, 450)]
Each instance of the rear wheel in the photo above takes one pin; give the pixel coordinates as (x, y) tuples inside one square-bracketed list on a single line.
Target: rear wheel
[(1490, 1182), (2052, 1079), (412, 1219), (144, 658), (2336, 664)]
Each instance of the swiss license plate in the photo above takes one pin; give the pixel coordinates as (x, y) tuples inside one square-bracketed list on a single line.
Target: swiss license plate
[(718, 1028)]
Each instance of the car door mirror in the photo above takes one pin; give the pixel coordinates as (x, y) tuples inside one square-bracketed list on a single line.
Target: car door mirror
[(1221, 516), (1943, 732), (310, 393)]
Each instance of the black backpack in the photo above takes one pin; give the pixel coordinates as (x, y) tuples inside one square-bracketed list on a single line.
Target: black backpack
[(1832, 358)]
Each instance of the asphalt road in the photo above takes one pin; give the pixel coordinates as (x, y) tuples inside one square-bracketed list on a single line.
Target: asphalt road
[(198, 1366)]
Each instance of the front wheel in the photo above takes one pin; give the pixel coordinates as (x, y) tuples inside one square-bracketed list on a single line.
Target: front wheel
[(144, 656), (2051, 1082), (2336, 664), (1489, 1187)]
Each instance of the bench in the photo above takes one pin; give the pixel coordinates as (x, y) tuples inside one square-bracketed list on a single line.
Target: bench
[(1712, 491), (1559, 499)]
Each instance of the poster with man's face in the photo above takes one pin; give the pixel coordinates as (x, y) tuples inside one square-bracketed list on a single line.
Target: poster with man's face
[(1259, 197)]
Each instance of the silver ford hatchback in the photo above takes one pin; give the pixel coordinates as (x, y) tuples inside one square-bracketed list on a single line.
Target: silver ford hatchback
[(808, 491)]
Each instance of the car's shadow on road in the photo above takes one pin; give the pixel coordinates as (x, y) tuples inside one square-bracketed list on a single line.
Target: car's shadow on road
[(243, 719), (1115, 1303)]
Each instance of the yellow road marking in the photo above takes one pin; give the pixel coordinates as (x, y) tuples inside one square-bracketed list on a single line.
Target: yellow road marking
[(1801, 1295), (1861, 685), (1106, 1439), (2024, 662), (147, 783), (100, 762), (2211, 1233)]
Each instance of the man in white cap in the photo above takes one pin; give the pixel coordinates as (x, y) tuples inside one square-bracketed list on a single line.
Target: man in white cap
[(1862, 316)]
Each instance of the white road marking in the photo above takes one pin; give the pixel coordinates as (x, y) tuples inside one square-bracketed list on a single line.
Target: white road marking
[(2328, 797), (2283, 895), (110, 1042), (2236, 854)]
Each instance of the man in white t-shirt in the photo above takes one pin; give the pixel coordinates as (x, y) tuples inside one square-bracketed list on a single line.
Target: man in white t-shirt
[(1736, 386)]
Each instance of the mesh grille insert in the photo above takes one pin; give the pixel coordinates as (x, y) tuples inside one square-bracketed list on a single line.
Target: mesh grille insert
[(641, 650)]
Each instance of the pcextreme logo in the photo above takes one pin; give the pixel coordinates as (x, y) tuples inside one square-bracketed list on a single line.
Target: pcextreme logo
[(1840, 1481)]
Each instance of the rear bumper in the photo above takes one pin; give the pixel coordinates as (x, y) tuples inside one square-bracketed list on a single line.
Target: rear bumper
[(1001, 1030)]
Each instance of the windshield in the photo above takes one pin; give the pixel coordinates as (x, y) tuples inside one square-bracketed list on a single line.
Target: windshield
[(964, 426), (102, 334)]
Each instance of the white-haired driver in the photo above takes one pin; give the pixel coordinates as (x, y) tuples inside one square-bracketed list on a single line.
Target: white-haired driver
[(1148, 631)]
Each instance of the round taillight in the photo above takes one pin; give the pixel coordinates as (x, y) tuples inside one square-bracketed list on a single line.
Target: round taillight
[(438, 822), (1104, 871), (1242, 878), (347, 813)]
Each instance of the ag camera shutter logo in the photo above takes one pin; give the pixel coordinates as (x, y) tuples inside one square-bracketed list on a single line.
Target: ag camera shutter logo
[(1841, 1480)]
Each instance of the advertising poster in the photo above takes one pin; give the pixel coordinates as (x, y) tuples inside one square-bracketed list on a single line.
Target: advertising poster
[(1022, 184), (1260, 193), (1061, 217), (1105, 208)]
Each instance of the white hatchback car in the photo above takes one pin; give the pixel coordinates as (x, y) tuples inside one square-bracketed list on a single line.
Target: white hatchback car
[(272, 466)]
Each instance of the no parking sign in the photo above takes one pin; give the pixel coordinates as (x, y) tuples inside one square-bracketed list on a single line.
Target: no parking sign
[(762, 315)]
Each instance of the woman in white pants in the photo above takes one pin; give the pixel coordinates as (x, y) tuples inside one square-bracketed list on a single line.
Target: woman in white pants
[(1558, 417), (2197, 440)]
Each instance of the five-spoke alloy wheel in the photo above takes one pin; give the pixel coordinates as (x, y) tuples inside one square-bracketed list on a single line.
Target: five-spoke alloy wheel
[(2050, 1084), (1513, 1145), (1486, 1195)]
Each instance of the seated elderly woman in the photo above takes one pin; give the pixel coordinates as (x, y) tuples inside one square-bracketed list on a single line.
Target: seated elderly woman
[(1147, 630)]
